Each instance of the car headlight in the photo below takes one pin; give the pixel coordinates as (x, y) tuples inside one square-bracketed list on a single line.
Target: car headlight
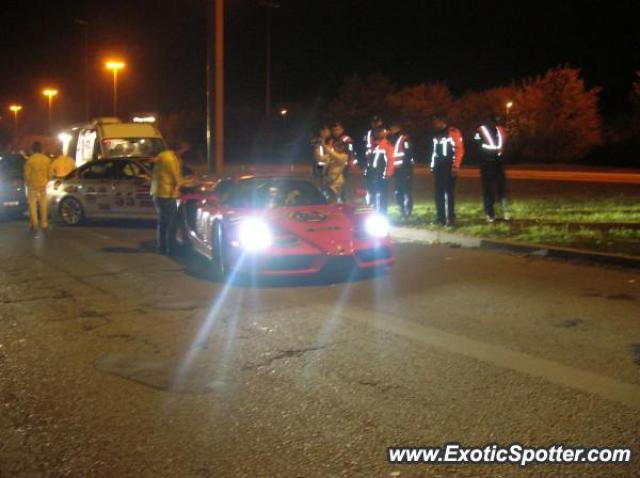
[(377, 226), (254, 235)]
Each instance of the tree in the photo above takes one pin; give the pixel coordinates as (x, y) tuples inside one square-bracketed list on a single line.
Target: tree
[(556, 117), (473, 107), (414, 105), (359, 99)]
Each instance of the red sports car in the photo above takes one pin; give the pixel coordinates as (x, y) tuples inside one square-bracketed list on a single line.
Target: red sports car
[(279, 225)]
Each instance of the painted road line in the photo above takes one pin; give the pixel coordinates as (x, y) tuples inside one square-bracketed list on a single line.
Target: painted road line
[(554, 372)]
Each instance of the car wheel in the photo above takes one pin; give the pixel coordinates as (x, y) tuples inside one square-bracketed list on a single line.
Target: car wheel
[(220, 257), (71, 211)]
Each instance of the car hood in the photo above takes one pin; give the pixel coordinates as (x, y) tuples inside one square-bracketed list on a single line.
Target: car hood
[(329, 228)]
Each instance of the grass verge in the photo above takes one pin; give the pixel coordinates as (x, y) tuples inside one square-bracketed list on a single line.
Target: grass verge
[(609, 224)]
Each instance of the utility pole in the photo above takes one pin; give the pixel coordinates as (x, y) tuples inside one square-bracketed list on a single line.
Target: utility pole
[(215, 85), (85, 36), (219, 46), (268, 6)]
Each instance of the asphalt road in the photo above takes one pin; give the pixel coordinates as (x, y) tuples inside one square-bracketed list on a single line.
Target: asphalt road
[(118, 362)]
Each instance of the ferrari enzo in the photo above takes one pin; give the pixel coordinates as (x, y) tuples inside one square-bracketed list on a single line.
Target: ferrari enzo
[(281, 225)]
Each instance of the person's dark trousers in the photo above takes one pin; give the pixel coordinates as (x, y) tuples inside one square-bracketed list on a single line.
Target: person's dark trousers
[(167, 209), (404, 191), (444, 187), (370, 186), (494, 184), (380, 200)]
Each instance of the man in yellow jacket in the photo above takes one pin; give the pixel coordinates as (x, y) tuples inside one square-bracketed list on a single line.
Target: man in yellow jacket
[(36, 177), (166, 180), (61, 166)]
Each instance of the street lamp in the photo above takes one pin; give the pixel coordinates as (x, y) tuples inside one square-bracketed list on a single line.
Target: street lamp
[(15, 109), (115, 66), (50, 93), (87, 98), (284, 112), (268, 5), (508, 107)]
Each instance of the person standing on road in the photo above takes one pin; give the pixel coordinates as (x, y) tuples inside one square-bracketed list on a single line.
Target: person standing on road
[(379, 170), (320, 157), (166, 180), (491, 139), (61, 166), (339, 134), (336, 166), (403, 168), (446, 158), (369, 138), (36, 177)]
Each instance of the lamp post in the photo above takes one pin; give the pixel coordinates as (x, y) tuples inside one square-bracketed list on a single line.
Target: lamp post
[(50, 93), (15, 109), (115, 66), (268, 6), (215, 86), (87, 95)]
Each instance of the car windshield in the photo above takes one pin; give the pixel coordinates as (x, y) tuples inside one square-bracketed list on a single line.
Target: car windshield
[(128, 147), (269, 193), (11, 166)]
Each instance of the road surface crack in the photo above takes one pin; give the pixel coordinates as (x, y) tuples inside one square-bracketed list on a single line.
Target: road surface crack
[(284, 354)]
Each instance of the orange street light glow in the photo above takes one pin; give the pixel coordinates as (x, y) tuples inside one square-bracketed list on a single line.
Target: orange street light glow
[(509, 104), (49, 92), (115, 65), (15, 108)]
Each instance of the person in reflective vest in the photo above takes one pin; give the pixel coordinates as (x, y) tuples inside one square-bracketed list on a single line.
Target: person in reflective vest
[(403, 168), (491, 139), (446, 159), (320, 156), (339, 134), (370, 140), (380, 168)]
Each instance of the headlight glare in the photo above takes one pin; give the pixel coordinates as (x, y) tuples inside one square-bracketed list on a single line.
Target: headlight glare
[(377, 226), (254, 235)]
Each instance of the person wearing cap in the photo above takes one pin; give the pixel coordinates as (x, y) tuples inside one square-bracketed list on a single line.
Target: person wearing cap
[(491, 139), (446, 159), (36, 177), (403, 168), (380, 169)]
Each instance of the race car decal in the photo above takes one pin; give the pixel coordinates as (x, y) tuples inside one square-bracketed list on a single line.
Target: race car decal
[(309, 216)]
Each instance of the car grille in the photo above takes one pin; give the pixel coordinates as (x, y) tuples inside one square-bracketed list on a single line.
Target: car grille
[(289, 263)]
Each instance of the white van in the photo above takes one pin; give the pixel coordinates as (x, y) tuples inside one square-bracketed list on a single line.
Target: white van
[(111, 138)]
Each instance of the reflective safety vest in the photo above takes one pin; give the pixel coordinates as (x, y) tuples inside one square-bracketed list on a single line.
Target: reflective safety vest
[(369, 142), (321, 152), (491, 140), (380, 162), (448, 146), (348, 142), (402, 152)]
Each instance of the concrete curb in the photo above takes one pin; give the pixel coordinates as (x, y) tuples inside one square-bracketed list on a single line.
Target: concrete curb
[(407, 234)]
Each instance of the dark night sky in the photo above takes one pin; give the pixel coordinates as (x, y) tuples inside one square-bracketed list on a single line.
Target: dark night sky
[(467, 44)]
